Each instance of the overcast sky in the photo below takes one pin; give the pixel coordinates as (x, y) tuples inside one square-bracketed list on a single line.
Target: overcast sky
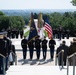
[(36, 4)]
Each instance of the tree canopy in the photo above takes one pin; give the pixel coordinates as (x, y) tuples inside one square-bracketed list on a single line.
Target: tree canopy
[(67, 20), (73, 2), (16, 22), (1, 13)]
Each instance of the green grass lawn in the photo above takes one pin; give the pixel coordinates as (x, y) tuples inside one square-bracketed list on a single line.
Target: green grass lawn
[(27, 33)]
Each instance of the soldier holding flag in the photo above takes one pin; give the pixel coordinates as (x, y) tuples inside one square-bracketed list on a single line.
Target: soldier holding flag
[(31, 48), (32, 34)]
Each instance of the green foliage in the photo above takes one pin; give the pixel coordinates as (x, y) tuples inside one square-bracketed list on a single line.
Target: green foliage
[(1, 13), (67, 20), (55, 19), (4, 22), (16, 22), (35, 16), (26, 19), (73, 2)]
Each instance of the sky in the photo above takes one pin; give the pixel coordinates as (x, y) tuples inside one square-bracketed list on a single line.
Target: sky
[(36, 4)]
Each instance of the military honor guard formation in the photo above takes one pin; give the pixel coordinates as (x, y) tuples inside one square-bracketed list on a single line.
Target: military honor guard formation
[(36, 42)]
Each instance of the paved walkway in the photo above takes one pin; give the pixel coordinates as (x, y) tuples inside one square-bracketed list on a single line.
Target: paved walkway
[(17, 43)]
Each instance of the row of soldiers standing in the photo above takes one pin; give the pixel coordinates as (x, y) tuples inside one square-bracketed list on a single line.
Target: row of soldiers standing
[(6, 47), (37, 44), (61, 33), (14, 33), (57, 33)]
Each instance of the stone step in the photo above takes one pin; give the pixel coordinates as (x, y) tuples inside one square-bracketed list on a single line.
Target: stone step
[(38, 70)]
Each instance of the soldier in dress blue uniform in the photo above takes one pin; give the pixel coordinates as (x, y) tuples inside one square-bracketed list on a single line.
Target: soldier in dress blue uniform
[(13, 34), (38, 47), (52, 44), (9, 33), (2, 52), (68, 32), (21, 34), (24, 47), (7, 48), (17, 33), (31, 48), (44, 47), (60, 34), (63, 34)]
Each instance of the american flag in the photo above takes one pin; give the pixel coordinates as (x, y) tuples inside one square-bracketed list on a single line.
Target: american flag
[(48, 28)]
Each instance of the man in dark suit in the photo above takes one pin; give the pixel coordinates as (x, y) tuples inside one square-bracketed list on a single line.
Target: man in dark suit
[(38, 47), (24, 47), (31, 48), (44, 47), (71, 50), (65, 48)]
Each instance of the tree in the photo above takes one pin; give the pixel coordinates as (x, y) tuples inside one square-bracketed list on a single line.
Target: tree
[(4, 22), (74, 14), (26, 19), (35, 16), (1, 13), (73, 2), (16, 22)]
